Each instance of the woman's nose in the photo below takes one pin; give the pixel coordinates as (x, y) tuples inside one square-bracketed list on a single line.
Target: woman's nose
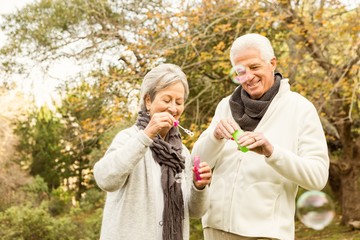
[(172, 108)]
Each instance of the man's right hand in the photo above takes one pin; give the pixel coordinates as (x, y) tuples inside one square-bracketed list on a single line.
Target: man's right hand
[(225, 128)]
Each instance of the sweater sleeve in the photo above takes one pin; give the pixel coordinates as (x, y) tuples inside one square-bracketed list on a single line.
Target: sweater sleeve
[(126, 150), (309, 167)]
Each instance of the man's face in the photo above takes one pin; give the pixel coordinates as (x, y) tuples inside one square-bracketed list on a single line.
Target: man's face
[(259, 75)]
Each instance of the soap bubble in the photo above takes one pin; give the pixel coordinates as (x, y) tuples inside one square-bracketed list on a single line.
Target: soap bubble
[(238, 74), (178, 177), (315, 209)]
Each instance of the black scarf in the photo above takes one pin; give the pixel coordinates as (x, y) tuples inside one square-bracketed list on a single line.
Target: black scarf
[(168, 154), (248, 112)]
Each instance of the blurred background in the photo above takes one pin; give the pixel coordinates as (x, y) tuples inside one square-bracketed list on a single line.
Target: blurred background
[(70, 73)]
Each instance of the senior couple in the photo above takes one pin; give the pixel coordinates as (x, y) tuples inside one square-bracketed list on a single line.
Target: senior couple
[(149, 176)]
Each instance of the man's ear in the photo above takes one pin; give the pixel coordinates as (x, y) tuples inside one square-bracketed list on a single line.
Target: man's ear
[(273, 63)]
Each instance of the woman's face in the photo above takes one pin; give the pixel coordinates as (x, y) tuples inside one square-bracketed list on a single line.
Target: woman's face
[(170, 99), (259, 76)]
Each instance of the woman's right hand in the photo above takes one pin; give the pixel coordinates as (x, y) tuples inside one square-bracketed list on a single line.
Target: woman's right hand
[(160, 123)]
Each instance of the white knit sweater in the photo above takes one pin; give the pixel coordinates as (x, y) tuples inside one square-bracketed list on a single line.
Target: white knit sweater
[(131, 177)]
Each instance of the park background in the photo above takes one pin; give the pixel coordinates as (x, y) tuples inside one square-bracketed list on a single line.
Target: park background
[(69, 81)]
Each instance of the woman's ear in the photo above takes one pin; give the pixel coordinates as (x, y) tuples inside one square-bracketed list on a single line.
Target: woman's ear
[(147, 102)]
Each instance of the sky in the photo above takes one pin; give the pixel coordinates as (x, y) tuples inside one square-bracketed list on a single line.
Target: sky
[(38, 88), (39, 84), (8, 6), (43, 85)]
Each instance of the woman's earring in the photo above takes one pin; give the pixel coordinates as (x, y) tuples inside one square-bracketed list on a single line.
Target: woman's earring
[(147, 113)]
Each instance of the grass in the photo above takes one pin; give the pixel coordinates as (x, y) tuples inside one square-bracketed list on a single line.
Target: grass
[(334, 231)]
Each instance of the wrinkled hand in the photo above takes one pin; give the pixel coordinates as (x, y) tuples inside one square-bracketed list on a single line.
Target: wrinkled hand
[(256, 142), (159, 122), (225, 128), (205, 174)]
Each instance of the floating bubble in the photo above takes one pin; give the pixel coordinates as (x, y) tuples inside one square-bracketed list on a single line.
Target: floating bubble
[(178, 177), (238, 74), (315, 209)]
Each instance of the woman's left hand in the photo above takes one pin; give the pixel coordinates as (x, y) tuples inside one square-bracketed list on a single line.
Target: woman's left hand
[(205, 174)]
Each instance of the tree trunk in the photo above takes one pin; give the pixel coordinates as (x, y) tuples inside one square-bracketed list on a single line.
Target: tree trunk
[(345, 177), (350, 181)]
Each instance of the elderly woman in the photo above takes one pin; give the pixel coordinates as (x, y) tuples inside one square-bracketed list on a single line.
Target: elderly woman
[(147, 172), (252, 194)]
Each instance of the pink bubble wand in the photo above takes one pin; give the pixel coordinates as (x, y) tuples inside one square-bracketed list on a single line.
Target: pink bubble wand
[(187, 131)]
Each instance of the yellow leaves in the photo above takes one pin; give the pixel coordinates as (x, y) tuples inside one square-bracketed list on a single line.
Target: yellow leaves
[(262, 33), (149, 15), (204, 56), (169, 52), (223, 28), (220, 47), (197, 130), (225, 65)]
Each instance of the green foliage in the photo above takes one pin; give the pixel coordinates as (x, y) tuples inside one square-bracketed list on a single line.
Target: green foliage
[(196, 231), (59, 146), (29, 223), (36, 191), (93, 199), (108, 136), (39, 145), (38, 186), (89, 224), (52, 215), (59, 202), (88, 111)]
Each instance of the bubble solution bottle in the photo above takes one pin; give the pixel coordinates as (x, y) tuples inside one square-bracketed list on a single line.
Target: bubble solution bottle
[(196, 168), (236, 136)]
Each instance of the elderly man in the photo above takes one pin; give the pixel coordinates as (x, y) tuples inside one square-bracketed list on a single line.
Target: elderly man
[(252, 194)]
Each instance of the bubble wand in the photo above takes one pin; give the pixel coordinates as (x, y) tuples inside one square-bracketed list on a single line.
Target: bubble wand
[(187, 131), (197, 167)]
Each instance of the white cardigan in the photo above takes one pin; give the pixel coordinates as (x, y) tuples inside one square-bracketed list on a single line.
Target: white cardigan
[(134, 202), (252, 195)]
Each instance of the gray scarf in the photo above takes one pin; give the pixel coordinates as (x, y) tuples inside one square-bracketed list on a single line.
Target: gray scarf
[(167, 153), (248, 112)]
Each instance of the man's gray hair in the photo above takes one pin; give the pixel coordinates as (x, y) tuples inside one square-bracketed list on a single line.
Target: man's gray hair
[(161, 77), (252, 40)]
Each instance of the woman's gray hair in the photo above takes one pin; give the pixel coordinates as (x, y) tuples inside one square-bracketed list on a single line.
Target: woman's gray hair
[(159, 78), (252, 40)]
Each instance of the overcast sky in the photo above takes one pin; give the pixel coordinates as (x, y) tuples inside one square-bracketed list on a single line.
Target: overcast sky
[(8, 6), (39, 84), (11, 5)]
